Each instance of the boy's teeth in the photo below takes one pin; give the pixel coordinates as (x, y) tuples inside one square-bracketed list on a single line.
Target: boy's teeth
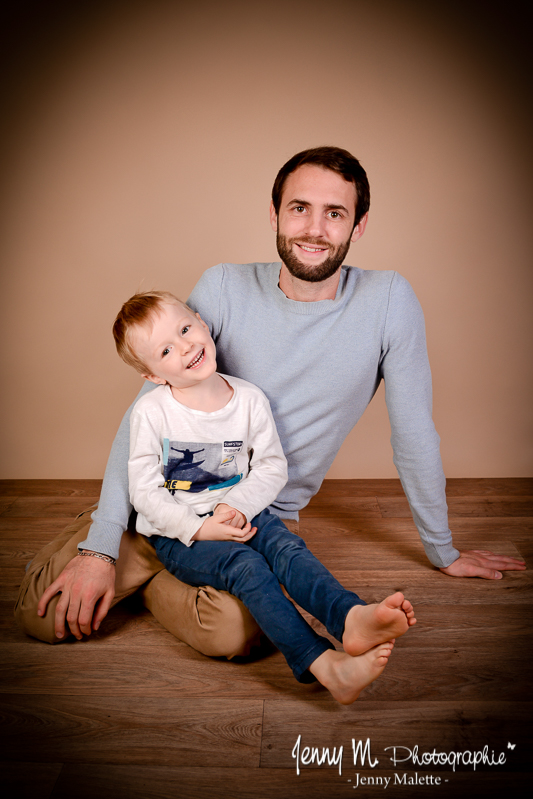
[(196, 360)]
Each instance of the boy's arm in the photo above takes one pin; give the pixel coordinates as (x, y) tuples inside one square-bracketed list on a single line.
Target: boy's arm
[(87, 585), (268, 465), (147, 490)]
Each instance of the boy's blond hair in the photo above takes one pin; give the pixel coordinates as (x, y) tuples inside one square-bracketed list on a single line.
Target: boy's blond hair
[(139, 311)]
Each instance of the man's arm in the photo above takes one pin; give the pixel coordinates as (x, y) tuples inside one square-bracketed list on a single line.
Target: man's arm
[(87, 584), (415, 442)]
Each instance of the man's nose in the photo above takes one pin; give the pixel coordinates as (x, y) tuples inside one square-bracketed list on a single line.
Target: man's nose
[(315, 225)]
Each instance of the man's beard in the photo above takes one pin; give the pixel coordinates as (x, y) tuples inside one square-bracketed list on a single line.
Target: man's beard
[(314, 273)]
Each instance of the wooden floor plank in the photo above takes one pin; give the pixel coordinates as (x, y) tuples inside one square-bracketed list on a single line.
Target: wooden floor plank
[(464, 506), (49, 507), (143, 730), (28, 780), (50, 488)]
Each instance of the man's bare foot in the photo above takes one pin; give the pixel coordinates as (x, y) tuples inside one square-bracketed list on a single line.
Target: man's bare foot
[(345, 676), (368, 625)]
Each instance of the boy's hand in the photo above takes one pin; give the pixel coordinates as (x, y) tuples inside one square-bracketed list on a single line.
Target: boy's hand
[(87, 588), (482, 563), (239, 519), (218, 528)]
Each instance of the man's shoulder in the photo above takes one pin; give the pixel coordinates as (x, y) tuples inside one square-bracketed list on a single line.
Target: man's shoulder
[(245, 274), (376, 282)]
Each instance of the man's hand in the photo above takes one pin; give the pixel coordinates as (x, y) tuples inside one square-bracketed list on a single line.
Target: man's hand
[(482, 563), (87, 588), (218, 528), (238, 520)]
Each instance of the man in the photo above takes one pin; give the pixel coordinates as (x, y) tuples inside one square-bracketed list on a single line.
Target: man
[(323, 338)]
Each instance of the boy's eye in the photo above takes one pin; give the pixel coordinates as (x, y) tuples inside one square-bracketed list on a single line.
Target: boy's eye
[(165, 351), (185, 330)]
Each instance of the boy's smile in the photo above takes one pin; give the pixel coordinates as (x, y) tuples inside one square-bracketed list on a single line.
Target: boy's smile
[(176, 347)]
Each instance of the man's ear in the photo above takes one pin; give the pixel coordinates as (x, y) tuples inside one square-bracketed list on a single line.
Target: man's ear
[(359, 229), (273, 218), (155, 379)]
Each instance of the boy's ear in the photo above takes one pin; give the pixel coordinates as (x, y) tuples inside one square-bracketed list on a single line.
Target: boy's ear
[(201, 321), (155, 379)]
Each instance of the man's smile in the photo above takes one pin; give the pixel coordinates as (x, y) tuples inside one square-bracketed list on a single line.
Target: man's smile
[(307, 248)]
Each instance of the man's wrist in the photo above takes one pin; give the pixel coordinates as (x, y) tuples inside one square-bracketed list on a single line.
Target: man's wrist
[(90, 553)]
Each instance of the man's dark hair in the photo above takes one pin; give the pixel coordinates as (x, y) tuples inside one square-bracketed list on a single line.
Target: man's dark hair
[(336, 159)]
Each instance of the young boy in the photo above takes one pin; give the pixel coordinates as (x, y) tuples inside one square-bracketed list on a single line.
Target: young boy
[(205, 461)]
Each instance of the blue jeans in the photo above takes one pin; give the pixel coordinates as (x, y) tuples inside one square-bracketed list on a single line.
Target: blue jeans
[(253, 572)]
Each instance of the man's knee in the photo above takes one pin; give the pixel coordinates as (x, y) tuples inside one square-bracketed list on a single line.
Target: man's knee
[(212, 622), (233, 630)]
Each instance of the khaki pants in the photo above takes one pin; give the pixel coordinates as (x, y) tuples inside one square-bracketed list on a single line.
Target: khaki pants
[(213, 622)]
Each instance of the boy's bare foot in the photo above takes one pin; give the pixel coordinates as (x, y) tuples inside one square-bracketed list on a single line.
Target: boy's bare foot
[(345, 676), (368, 625)]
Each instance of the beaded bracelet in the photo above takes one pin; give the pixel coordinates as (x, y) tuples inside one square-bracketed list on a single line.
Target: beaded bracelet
[(107, 558)]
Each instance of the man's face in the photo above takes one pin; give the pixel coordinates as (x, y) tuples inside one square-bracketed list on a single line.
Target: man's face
[(176, 347), (314, 227)]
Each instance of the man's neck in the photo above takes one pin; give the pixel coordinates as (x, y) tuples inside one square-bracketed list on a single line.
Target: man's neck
[(305, 291)]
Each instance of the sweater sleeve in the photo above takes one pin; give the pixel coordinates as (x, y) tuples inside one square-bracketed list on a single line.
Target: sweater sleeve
[(268, 465), (111, 517), (165, 515), (407, 376)]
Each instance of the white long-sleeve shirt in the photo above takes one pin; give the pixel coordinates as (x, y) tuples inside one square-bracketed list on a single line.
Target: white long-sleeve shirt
[(183, 462)]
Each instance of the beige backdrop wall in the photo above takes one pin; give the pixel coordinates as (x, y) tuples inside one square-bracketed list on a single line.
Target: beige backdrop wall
[(142, 143)]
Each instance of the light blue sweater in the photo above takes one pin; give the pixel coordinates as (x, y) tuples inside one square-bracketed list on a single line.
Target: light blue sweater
[(319, 363)]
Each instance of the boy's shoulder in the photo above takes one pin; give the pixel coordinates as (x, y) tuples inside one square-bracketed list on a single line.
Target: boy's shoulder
[(155, 398), (245, 388)]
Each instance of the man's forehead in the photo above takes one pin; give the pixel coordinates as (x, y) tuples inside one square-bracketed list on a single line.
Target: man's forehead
[(319, 185)]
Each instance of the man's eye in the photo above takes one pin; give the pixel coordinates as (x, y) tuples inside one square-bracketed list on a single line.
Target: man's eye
[(185, 330), (300, 208), (335, 215)]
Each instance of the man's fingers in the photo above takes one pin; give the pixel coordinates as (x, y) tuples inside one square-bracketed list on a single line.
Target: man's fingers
[(73, 613), (485, 574), (495, 561), (102, 609), (50, 592)]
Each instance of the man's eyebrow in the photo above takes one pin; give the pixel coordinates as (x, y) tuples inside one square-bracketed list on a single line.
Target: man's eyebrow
[(328, 206)]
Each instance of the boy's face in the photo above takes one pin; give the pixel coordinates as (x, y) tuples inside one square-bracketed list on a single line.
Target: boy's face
[(177, 349)]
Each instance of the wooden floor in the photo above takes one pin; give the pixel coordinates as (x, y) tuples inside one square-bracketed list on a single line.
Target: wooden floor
[(132, 713)]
